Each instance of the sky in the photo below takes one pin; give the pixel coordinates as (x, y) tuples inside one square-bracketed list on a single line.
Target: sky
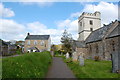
[(49, 18)]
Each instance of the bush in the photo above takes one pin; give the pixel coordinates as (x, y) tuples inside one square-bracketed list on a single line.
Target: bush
[(18, 51), (97, 58)]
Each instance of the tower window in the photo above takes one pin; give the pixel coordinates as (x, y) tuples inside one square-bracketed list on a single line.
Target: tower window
[(80, 23), (91, 22), (91, 29)]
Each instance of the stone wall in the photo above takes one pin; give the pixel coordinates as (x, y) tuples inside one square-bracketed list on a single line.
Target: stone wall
[(81, 50), (103, 48)]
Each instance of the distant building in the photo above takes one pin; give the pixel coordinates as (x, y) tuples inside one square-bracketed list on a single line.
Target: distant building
[(37, 43), (87, 23), (6, 48)]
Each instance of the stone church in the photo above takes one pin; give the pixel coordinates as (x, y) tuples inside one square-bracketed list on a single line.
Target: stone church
[(95, 40)]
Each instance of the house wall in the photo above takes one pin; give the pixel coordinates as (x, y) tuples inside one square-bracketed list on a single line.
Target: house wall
[(4, 50), (46, 45)]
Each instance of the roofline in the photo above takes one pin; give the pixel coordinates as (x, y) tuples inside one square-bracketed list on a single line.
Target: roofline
[(37, 35), (112, 37), (93, 41)]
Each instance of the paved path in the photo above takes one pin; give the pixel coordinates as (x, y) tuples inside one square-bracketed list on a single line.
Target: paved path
[(59, 69)]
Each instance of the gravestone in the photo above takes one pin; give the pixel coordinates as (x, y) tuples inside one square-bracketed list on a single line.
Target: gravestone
[(67, 55), (74, 56), (81, 59), (115, 62)]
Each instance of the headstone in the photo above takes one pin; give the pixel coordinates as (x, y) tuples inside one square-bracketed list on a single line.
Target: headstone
[(67, 55), (115, 62), (81, 59), (74, 56)]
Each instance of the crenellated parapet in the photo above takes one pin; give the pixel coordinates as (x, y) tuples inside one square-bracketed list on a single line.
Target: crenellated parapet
[(97, 14)]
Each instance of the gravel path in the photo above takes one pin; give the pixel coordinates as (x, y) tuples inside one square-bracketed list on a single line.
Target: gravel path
[(59, 69)]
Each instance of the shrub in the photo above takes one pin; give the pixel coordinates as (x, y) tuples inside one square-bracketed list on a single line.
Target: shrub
[(18, 51), (97, 58)]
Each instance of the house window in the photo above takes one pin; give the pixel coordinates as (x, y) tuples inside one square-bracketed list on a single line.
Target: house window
[(28, 42), (35, 42), (42, 43), (91, 22)]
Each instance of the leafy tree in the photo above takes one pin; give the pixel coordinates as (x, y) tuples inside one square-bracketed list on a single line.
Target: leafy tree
[(53, 47), (66, 39)]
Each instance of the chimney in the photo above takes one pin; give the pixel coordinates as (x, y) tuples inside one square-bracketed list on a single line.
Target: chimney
[(28, 33)]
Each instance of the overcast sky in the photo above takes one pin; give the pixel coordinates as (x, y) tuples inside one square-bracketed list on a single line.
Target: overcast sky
[(49, 18)]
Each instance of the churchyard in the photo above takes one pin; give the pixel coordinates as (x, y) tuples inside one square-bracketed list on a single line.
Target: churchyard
[(92, 69), (88, 68), (94, 53)]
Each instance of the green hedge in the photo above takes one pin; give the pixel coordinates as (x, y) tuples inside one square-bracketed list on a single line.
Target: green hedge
[(29, 65)]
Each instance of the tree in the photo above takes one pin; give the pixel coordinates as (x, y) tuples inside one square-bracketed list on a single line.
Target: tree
[(66, 39), (53, 47)]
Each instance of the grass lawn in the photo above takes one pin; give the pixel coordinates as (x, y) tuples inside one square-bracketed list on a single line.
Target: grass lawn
[(30, 65), (92, 69)]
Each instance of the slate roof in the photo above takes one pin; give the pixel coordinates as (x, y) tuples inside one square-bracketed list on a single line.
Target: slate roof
[(98, 34), (2, 43), (37, 37), (79, 44), (115, 32)]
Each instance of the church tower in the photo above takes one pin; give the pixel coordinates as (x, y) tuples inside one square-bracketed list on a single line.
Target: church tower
[(87, 23)]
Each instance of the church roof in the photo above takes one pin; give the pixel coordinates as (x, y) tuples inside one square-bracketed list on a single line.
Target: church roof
[(79, 44), (37, 37), (115, 32), (99, 34)]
